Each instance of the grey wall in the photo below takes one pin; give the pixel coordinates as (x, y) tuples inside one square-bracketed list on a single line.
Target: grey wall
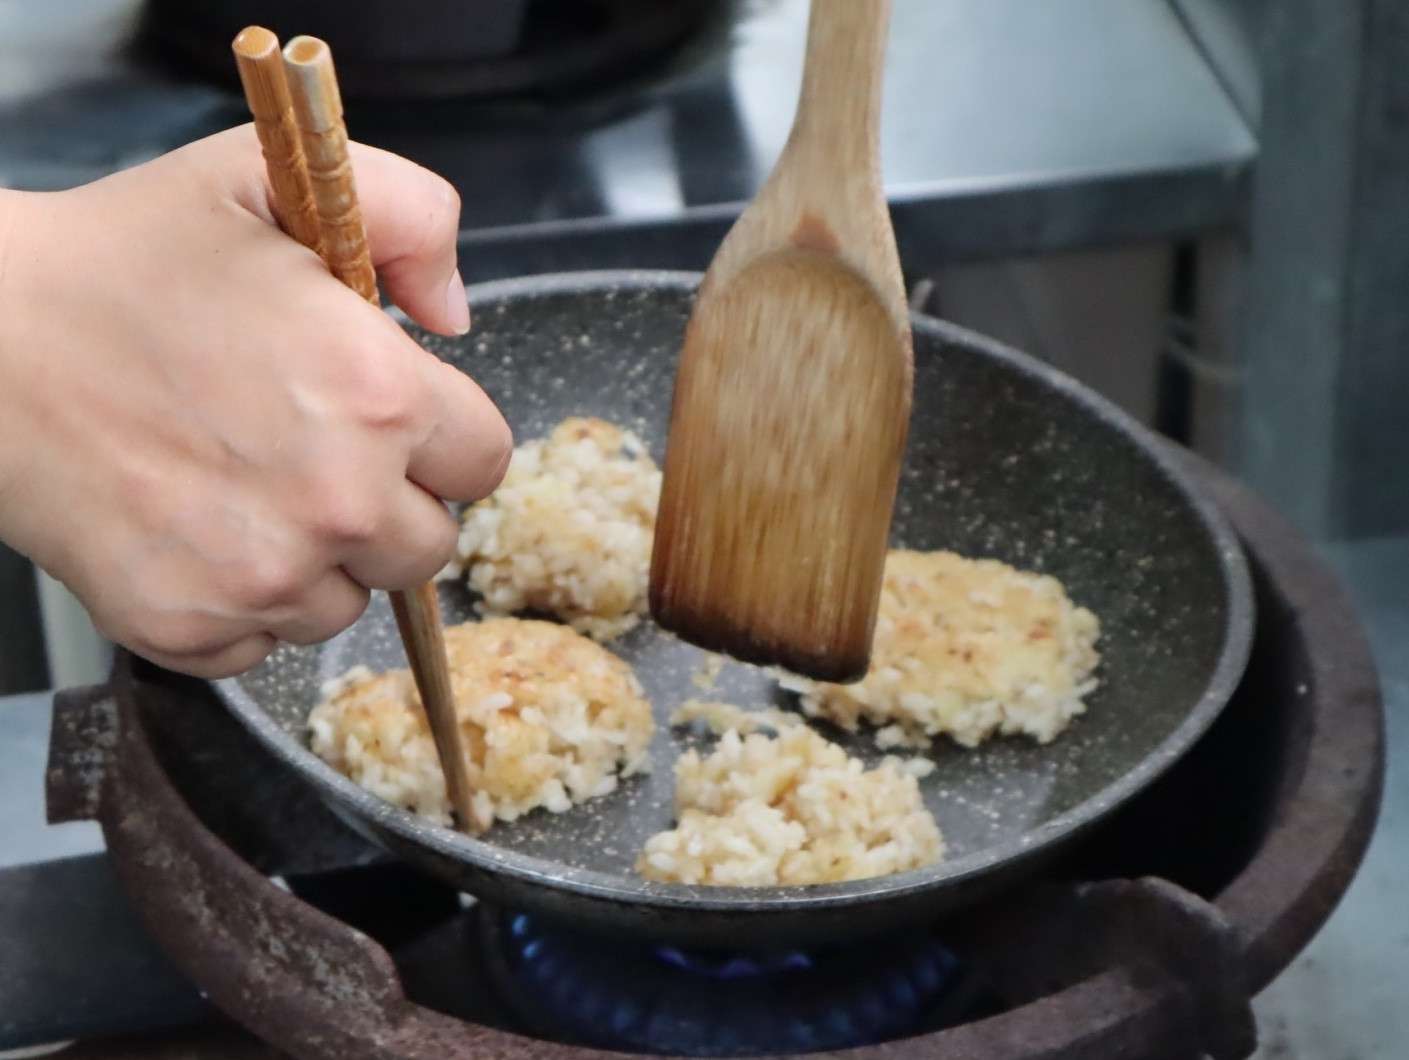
[(1228, 31), (1327, 330), (1099, 315)]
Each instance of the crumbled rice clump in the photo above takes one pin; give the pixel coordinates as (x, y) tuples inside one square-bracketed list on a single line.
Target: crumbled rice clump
[(569, 531), (548, 718), (787, 809), (969, 648), (718, 718)]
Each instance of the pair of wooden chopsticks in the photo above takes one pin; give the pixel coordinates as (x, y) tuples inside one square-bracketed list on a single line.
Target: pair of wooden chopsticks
[(293, 96)]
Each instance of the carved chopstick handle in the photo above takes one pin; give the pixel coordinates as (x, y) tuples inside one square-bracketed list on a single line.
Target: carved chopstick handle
[(313, 85), (261, 67)]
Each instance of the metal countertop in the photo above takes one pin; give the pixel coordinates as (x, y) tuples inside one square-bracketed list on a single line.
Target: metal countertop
[(1002, 132)]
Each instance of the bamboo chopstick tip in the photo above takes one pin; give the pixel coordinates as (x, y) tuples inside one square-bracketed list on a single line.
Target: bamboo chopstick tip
[(304, 50), (261, 69), (255, 42), (308, 63)]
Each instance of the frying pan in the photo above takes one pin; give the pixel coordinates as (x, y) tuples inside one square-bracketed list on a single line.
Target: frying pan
[(1007, 458)]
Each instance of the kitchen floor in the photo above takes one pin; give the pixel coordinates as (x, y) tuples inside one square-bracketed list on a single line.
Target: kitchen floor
[(1344, 997)]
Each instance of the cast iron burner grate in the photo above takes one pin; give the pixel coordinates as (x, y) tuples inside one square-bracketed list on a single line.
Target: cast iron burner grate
[(573, 986)]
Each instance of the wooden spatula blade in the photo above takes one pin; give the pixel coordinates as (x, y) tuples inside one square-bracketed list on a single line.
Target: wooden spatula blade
[(791, 407)]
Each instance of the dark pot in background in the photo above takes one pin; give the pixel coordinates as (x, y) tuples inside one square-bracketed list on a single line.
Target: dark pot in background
[(436, 48), (358, 30)]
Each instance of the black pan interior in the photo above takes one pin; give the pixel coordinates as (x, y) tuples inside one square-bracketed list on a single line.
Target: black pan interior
[(1006, 459)]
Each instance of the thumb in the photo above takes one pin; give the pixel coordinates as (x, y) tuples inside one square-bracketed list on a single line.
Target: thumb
[(412, 218)]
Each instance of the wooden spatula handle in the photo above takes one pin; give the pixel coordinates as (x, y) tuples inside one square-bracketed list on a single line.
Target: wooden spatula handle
[(261, 67), (318, 111), (840, 106), (792, 400)]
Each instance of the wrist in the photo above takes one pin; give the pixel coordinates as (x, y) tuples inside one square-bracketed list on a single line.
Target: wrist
[(13, 208)]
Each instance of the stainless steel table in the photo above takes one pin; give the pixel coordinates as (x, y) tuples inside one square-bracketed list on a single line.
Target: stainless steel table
[(1003, 134)]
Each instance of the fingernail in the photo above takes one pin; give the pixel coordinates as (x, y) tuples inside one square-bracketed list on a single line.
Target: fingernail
[(457, 306)]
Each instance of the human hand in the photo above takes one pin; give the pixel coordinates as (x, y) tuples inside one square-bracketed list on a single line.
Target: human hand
[(214, 444)]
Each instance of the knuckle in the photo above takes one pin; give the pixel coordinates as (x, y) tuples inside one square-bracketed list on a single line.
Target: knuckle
[(343, 514), (177, 634), (423, 554), (349, 613), (330, 621), (441, 220), (502, 446), (500, 437), (437, 549), (443, 541), (492, 463), (147, 495), (236, 660), (448, 212), (268, 578), (384, 391), (449, 196)]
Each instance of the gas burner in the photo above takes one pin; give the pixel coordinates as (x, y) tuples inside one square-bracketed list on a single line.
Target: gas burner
[(577, 987)]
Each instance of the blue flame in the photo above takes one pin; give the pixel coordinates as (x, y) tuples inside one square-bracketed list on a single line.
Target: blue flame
[(742, 966), (673, 1000)]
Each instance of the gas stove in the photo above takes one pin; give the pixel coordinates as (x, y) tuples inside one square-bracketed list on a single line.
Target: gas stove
[(253, 901)]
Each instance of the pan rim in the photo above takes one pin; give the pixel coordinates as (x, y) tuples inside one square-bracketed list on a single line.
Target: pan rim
[(599, 886)]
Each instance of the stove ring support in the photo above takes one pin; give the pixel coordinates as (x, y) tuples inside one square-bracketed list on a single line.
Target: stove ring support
[(338, 994)]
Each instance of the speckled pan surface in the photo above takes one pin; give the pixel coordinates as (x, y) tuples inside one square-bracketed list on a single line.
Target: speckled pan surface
[(1006, 458)]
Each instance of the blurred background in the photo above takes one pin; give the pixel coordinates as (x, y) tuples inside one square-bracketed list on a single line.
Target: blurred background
[(1195, 205)]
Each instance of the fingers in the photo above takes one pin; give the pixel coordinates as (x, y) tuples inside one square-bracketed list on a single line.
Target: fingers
[(227, 661), (415, 542), (466, 451), (462, 443), (413, 218), (455, 442), (327, 608)]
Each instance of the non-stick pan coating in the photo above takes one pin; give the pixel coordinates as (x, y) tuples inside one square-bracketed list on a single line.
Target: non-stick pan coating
[(1006, 458)]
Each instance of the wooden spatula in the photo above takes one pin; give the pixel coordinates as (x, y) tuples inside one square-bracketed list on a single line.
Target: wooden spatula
[(792, 398), (298, 115)]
